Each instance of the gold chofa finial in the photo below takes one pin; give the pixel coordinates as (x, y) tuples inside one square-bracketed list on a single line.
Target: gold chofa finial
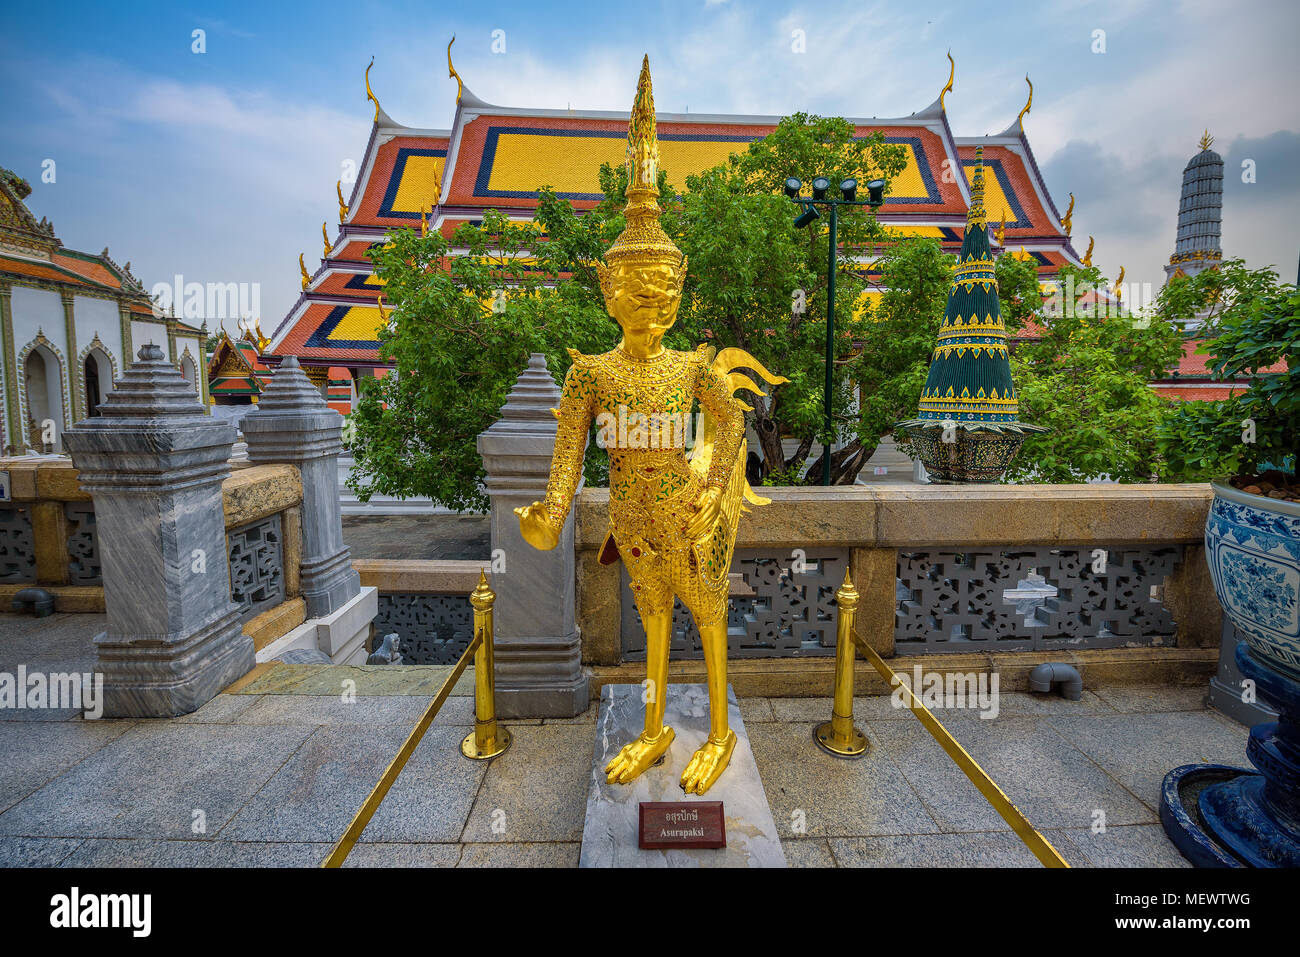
[(424, 223), (1068, 219), (302, 268), (952, 71), (1087, 257), (379, 301), (325, 238), (451, 71), (343, 207), (976, 216), (1119, 285), (1000, 234), (1020, 119), (1206, 140), (369, 93)]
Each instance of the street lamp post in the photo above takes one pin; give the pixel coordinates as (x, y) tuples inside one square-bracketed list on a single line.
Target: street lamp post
[(848, 197)]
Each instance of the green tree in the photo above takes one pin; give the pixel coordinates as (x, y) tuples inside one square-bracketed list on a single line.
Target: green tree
[(1087, 379), (1253, 321)]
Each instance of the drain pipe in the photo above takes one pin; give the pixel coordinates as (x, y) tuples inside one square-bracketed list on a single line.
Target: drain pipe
[(1057, 672), (41, 601)]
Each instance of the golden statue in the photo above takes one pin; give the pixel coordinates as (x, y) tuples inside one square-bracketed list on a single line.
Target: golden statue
[(672, 519)]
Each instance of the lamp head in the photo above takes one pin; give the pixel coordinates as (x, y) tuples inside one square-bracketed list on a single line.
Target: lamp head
[(807, 217), (819, 187), (792, 187), (849, 190), (876, 192)]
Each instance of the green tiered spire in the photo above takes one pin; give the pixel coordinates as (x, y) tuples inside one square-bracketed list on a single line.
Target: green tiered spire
[(969, 395)]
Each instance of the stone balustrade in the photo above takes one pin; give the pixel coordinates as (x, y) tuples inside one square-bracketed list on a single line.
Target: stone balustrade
[(48, 538)]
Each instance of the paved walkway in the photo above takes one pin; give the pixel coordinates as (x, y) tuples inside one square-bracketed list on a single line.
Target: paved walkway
[(272, 772)]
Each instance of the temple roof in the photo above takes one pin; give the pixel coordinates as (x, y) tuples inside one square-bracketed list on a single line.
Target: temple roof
[(498, 157)]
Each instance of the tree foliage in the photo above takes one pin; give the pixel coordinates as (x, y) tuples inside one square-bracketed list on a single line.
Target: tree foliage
[(1253, 324)]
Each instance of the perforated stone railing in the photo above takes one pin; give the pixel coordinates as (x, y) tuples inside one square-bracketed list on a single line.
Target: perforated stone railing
[(940, 569)]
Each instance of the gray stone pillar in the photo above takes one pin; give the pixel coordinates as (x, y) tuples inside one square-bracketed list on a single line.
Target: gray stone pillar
[(293, 424), (154, 460), (538, 650)]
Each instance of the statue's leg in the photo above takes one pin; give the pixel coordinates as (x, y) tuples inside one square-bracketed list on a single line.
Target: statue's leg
[(712, 758), (647, 749)]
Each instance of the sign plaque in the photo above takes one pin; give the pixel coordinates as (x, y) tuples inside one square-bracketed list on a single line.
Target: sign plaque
[(682, 824)]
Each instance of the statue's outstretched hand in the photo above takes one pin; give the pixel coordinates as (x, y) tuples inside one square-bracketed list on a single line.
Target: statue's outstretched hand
[(707, 510), (535, 525)]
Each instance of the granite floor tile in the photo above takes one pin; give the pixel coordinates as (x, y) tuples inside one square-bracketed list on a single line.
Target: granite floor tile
[(808, 788), (1155, 698), (37, 751), (35, 851), (536, 791), (985, 849), (332, 710), (416, 680), (432, 797), (511, 854), (404, 855), (1140, 749), (1134, 845), (279, 678), (156, 780), (313, 796), (807, 852), (223, 709), (1052, 782), (756, 709), (150, 853), (153, 853)]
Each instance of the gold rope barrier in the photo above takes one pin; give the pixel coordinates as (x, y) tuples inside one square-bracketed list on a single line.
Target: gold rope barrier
[(486, 740), (837, 734)]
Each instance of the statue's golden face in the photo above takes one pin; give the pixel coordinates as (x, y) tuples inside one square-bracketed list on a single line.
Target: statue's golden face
[(642, 297)]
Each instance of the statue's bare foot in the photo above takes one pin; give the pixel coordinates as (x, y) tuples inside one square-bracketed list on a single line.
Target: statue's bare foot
[(636, 757), (708, 764)]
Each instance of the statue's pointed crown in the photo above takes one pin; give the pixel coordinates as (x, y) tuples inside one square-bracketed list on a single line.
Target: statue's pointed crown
[(643, 238)]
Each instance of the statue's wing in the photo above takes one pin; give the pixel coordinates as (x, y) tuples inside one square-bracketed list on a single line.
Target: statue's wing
[(725, 364)]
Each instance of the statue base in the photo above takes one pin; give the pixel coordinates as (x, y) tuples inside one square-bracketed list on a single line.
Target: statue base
[(610, 834)]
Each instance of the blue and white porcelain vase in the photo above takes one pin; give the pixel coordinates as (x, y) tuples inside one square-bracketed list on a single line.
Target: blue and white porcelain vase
[(1252, 545), (1220, 816)]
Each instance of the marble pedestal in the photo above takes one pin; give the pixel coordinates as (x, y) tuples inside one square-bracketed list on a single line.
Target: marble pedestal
[(609, 836)]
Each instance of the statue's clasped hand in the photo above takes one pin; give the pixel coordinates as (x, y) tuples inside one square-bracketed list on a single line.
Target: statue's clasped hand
[(535, 525), (706, 514)]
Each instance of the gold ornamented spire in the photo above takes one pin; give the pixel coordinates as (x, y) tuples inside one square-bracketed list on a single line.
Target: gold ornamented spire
[(302, 268), (1206, 140), (643, 240), (1087, 257), (1020, 119), (369, 93), (343, 207), (975, 216), (325, 238), (451, 71), (1068, 219), (952, 71)]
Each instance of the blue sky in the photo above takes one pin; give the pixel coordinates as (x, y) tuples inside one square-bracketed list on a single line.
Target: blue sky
[(221, 165)]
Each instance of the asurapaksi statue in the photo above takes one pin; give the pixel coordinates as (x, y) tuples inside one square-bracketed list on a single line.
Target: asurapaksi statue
[(672, 517)]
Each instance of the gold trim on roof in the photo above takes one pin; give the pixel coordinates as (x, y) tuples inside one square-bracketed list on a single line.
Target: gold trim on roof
[(343, 207), (370, 93), (1067, 221), (1028, 103), (1206, 140), (451, 71), (952, 71)]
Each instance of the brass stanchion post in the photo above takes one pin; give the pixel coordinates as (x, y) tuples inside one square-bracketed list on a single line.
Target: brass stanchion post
[(486, 740), (838, 736)]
